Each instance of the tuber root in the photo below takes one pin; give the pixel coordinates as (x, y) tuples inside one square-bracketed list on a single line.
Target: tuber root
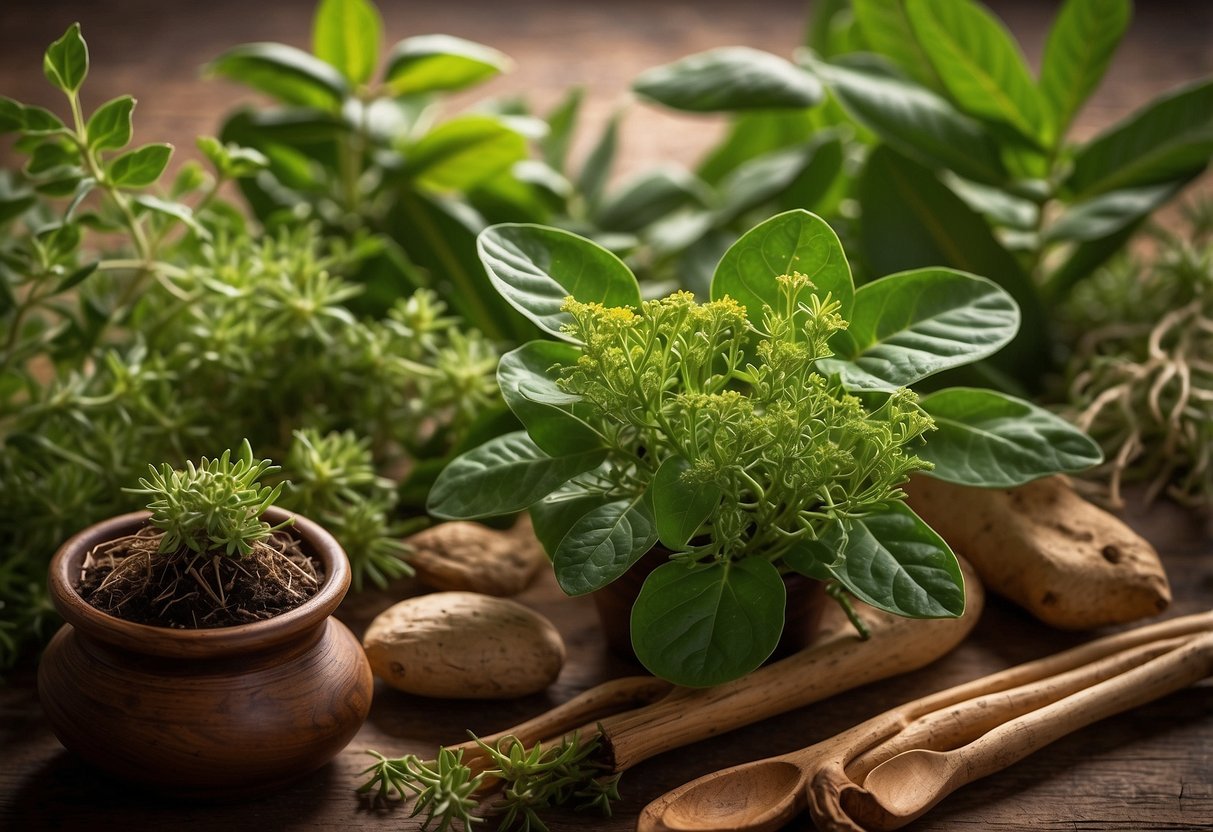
[(1068, 562), (461, 556)]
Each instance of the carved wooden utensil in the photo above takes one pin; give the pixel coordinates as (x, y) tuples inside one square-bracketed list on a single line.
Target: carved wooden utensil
[(1002, 718)]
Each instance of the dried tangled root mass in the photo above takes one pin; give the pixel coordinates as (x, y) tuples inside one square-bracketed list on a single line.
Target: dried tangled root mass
[(131, 579)]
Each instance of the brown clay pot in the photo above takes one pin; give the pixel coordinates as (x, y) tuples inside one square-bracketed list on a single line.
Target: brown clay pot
[(224, 712), (806, 600)]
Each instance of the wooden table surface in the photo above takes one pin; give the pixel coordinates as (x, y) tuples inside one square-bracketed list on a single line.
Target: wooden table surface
[(1148, 769)]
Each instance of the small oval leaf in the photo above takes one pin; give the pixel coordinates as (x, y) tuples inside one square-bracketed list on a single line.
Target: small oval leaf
[(441, 63), (680, 508), (140, 168), (109, 127), (549, 414), (603, 544)]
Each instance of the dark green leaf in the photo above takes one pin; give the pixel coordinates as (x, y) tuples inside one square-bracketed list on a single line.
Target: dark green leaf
[(502, 476), (554, 515), (140, 168), (812, 558), (680, 508), (980, 64), (1168, 139), (887, 28), (109, 128), (75, 277), (1086, 258), (288, 74), (52, 155), (39, 121), (12, 115), (649, 197), (346, 34), (14, 205), (65, 63), (535, 268), (704, 625), (729, 78), (795, 241), (550, 416), (989, 440), (596, 170), (65, 186), (895, 562), (1080, 46), (1104, 215), (603, 544), (463, 152), (561, 121), (440, 63), (754, 134), (763, 179), (908, 326)]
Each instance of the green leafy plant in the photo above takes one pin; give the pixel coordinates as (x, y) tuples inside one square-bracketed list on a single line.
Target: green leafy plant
[(964, 156), (765, 431)]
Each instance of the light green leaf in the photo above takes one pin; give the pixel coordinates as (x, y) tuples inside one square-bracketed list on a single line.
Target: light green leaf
[(141, 167), (705, 625), (109, 127), (463, 152), (550, 415), (441, 63), (504, 475), (680, 508), (1107, 213), (795, 241), (981, 65), (915, 120), (175, 210), (990, 440), (897, 563), (908, 326), (346, 35), (603, 544), (1170, 138), (65, 63), (288, 74), (1080, 46), (886, 27), (729, 78), (535, 268)]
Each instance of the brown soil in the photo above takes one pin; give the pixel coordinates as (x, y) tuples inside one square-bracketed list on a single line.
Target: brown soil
[(131, 579)]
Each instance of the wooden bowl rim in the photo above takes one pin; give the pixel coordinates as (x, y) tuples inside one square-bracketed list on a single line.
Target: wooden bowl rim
[(209, 643)]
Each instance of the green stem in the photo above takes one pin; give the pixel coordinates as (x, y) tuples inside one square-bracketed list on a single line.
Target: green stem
[(836, 591)]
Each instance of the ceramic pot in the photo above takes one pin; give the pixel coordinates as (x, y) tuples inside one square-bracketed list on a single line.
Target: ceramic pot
[(223, 712), (806, 600)]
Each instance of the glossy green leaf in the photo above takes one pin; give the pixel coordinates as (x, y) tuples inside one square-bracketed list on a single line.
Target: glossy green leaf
[(440, 63), (908, 326), (1168, 139), (550, 416), (288, 74), (65, 63), (886, 27), (346, 35), (981, 66), (109, 127), (648, 197), (680, 508), (555, 514), (729, 78), (989, 440), (1081, 42), (602, 544), (463, 152), (897, 563), (504, 475), (795, 241), (704, 625), (1107, 213), (763, 179), (535, 268), (141, 167), (915, 120)]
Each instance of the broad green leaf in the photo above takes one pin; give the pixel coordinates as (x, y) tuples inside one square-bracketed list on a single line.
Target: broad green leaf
[(12, 115), (288, 74), (141, 167), (535, 268), (561, 122), (886, 27), (602, 544), (990, 440), (40, 121), (915, 120), (1168, 139), (596, 170), (754, 134), (813, 559), (65, 63), (729, 78), (1081, 42), (704, 625), (109, 127), (908, 326), (765, 178), (52, 155), (981, 66), (346, 35), (648, 197), (680, 508), (555, 514), (795, 241), (895, 562), (463, 152), (550, 415), (503, 475), (440, 63), (1107, 213)]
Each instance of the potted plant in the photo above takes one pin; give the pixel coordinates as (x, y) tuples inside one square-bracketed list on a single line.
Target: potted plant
[(199, 654), (764, 433)]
